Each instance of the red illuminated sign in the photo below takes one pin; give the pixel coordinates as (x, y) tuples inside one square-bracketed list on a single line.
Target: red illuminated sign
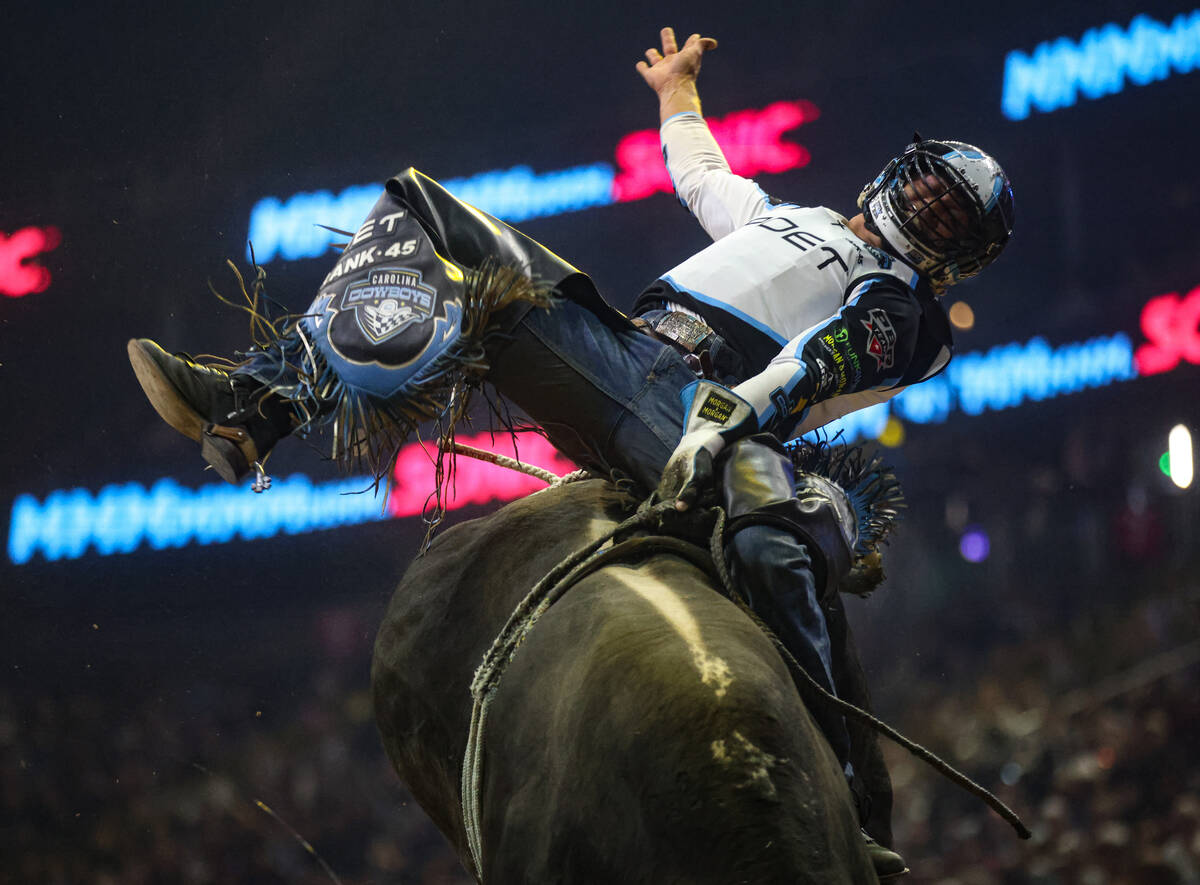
[(475, 481), (1172, 327), (19, 275), (751, 141)]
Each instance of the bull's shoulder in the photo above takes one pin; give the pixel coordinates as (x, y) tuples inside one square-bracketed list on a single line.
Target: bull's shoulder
[(459, 593), (551, 523), (449, 607)]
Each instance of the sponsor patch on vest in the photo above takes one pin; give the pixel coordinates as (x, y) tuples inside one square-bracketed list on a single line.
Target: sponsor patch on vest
[(881, 338), (388, 301)]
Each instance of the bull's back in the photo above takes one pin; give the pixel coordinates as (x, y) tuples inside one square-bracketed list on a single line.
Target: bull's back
[(647, 731)]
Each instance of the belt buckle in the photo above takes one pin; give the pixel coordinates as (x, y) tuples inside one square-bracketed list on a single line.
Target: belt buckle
[(685, 330)]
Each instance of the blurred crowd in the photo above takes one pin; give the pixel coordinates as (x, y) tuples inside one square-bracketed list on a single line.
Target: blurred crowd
[(272, 776), (1060, 671), (165, 786), (1103, 771)]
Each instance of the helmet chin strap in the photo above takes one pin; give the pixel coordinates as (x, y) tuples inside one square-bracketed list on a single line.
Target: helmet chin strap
[(881, 223)]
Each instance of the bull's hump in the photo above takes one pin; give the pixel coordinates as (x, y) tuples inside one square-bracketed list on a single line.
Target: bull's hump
[(711, 669), (578, 513)]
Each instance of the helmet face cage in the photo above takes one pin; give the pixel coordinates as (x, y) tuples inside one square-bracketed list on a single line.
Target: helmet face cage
[(943, 206)]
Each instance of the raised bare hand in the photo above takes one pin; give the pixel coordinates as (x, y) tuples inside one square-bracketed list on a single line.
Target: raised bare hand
[(666, 69)]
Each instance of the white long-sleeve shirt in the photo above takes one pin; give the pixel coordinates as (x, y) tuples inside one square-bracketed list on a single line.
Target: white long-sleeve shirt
[(825, 323)]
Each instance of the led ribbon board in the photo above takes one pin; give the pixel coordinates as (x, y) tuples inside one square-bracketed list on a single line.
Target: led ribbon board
[(751, 139), (1000, 378), (1171, 325), (1099, 63), (123, 518)]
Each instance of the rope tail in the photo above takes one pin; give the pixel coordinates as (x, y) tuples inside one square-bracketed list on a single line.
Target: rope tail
[(504, 461)]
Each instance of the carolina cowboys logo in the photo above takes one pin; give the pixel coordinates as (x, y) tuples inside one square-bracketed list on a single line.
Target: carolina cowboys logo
[(881, 338), (388, 301)]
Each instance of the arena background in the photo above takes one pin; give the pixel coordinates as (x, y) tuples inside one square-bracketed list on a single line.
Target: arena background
[(1039, 623)]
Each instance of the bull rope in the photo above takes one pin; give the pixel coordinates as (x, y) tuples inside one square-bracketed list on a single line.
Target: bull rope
[(589, 559), (487, 677)]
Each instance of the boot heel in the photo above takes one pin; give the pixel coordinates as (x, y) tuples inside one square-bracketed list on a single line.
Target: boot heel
[(225, 457)]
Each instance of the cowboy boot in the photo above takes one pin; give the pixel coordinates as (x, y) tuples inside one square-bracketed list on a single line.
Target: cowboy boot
[(235, 418), (888, 864)]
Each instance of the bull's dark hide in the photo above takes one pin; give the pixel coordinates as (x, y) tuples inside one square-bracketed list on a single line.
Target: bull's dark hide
[(646, 731)]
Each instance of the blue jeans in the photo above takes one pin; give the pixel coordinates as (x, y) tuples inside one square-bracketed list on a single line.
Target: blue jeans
[(609, 398)]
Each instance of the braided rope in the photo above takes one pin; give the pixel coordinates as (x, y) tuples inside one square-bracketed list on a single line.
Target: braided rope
[(500, 654), (487, 676), (552, 479)]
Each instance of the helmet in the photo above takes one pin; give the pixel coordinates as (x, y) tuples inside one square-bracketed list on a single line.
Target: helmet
[(944, 207)]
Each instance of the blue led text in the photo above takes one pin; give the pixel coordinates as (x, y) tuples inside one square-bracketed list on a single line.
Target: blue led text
[(1099, 64)]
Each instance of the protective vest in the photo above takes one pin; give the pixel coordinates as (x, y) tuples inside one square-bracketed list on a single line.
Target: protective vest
[(779, 274)]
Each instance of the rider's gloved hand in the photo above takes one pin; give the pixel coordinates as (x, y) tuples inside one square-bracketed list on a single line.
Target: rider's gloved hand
[(716, 416)]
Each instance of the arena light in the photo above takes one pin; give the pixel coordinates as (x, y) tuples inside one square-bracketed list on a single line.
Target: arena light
[(519, 193), (1006, 376), (19, 272), (751, 139), (974, 545), (893, 434), (288, 229), (1099, 63), (1179, 452), (122, 518), (473, 481), (961, 316), (1009, 375)]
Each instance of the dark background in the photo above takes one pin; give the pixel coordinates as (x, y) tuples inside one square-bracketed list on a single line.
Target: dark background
[(147, 133)]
